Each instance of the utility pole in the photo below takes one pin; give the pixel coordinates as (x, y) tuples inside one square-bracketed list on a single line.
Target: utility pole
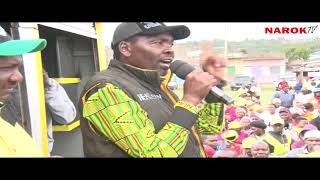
[(225, 41)]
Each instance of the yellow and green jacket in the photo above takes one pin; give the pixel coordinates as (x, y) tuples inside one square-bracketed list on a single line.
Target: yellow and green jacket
[(279, 144), (127, 111), (16, 142)]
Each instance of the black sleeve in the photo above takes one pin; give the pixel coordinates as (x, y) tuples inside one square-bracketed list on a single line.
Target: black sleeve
[(214, 99), (183, 117)]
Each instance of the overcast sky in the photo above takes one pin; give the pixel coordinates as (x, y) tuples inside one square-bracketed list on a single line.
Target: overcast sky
[(234, 31)]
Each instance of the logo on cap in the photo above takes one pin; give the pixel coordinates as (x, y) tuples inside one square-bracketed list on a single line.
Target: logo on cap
[(149, 25)]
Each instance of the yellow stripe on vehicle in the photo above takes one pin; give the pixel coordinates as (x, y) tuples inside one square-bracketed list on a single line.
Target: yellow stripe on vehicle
[(68, 80), (66, 128), (43, 120)]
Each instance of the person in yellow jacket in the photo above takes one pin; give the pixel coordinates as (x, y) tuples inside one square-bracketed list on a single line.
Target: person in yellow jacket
[(278, 140), (14, 140)]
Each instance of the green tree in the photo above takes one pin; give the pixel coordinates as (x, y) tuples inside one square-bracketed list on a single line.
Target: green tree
[(244, 51), (297, 53)]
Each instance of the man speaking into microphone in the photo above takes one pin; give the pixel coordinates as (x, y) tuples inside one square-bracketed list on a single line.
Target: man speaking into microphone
[(128, 110)]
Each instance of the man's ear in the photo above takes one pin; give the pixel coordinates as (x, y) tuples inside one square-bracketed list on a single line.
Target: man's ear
[(125, 48)]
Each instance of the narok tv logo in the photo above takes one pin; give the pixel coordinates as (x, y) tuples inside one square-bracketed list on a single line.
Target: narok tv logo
[(290, 30)]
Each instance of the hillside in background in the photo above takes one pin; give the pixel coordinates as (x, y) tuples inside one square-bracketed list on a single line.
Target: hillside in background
[(261, 46), (193, 49)]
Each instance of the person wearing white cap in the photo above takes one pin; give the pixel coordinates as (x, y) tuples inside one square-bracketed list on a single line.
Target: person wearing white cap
[(278, 140), (311, 138)]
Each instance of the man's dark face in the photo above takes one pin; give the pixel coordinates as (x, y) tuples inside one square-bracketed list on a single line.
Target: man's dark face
[(10, 75), (258, 131), (310, 142), (248, 152), (151, 52), (260, 151), (278, 127), (284, 115), (285, 89)]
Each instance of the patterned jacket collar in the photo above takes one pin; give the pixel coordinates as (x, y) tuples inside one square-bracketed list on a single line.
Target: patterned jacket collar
[(150, 76)]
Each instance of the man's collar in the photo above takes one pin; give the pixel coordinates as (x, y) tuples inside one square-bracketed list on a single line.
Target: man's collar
[(150, 76)]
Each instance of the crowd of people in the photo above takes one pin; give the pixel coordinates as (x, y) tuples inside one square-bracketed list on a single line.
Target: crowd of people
[(288, 126)]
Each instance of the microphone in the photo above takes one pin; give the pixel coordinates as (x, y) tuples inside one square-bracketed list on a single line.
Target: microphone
[(182, 69)]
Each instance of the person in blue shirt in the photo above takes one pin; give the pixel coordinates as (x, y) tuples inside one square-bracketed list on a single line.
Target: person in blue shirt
[(285, 96), (297, 88)]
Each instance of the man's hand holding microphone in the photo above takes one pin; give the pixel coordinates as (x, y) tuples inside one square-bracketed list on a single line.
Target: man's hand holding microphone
[(200, 84)]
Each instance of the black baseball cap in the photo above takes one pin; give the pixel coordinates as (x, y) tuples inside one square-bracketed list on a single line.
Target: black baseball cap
[(127, 30), (9, 47), (258, 124)]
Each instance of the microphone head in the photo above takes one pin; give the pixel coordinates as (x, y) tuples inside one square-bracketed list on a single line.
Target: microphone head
[(181, 68)]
